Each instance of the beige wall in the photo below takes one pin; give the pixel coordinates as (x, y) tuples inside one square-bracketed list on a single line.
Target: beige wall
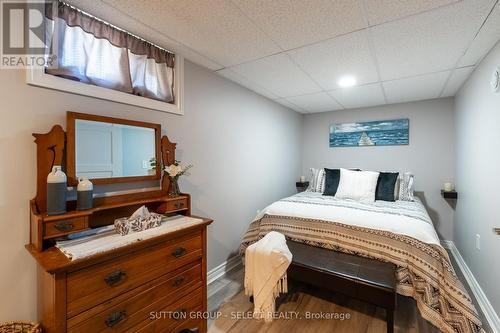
[(245, 148), (430, 154)]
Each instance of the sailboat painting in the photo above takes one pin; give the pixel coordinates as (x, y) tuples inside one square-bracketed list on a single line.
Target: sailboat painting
[(372, 133)]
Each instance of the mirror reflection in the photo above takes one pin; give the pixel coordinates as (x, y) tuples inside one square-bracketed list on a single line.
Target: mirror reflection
[(107, 150)]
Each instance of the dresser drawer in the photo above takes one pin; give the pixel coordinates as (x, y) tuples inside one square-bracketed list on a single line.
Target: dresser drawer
[(134, 307), (177, 204), (64, 227), (172, 318), (96, 284)]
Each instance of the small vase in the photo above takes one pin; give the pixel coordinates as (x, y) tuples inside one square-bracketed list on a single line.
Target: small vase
[(173, 187)]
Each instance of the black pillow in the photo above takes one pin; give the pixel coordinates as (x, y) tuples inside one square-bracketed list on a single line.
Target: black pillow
[(332, 179), (385, 186)]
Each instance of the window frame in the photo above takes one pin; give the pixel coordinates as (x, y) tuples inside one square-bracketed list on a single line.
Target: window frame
[(36, 76)]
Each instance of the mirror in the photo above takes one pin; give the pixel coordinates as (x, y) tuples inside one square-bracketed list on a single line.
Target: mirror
[(108, 150)]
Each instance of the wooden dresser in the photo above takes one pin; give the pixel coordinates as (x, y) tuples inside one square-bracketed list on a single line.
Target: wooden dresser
[(153, 285), (156, 285)]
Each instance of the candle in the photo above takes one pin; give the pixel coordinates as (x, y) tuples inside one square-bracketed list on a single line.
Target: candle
[(448, 187), (302, 179)]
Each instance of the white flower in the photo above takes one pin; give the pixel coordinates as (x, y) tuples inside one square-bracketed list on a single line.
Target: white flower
[(173, 170)]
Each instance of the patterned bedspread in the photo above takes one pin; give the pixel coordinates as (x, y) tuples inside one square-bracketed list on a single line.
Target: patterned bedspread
[(424, 271)]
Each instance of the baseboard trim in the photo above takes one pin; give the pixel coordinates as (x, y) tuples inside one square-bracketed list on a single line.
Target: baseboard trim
[(221, 270), (484, 303)]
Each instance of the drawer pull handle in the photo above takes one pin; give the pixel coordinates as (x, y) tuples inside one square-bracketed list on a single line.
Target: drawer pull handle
[(115, 318), (178, 281), (179, 252), (64, 226), (180, 314), (179, 205), (115, 277)]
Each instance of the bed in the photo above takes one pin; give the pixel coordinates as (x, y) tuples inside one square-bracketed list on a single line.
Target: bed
[(399, 232)]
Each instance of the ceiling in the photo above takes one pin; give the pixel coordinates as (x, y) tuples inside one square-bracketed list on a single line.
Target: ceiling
[(294, 52)]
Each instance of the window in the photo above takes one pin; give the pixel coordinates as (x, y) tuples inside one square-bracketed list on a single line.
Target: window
[(97, 59)]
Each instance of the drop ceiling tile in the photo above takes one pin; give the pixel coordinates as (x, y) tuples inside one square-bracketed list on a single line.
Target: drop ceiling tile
[(485, 40), (292, 106), (124, 21), (415, 88), (456, 81), (279, 75), (235, 77), (380, 11), (214, 28), (359, 96), (328, 61), (430, 42), (296, 23), (311, 103)]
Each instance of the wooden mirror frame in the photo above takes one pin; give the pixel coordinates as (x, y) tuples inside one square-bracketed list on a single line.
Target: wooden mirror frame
[(71, 117)]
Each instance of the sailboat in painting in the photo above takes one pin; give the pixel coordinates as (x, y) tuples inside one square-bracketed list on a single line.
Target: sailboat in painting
[(364, 140)]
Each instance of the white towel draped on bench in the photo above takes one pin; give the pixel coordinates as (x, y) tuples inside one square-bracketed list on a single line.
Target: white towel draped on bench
[(266, 262)]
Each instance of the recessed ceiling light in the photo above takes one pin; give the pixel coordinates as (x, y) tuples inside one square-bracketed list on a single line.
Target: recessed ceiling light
[(347, 81)]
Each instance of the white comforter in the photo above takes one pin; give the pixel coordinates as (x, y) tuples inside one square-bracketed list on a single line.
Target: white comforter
[(400, 217)]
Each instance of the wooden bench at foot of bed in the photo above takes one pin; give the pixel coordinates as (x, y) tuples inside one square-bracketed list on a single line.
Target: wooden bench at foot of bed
[(365, 279)]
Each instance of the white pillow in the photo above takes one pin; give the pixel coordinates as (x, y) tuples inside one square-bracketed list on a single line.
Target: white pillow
[(357, 185), (406, 187), (396, 187), (316, 180)]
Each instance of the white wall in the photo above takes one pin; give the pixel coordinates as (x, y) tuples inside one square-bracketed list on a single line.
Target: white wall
[(478, 179), (430, 154), (245, 150)]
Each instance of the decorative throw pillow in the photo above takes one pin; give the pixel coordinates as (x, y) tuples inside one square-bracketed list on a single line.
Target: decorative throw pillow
[(316, 180), (406, 187), (332, 179), (385, 186), (357, 185)]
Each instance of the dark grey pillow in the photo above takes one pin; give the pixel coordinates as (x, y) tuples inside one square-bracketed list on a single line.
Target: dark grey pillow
[(385, 186), (332, 179)]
